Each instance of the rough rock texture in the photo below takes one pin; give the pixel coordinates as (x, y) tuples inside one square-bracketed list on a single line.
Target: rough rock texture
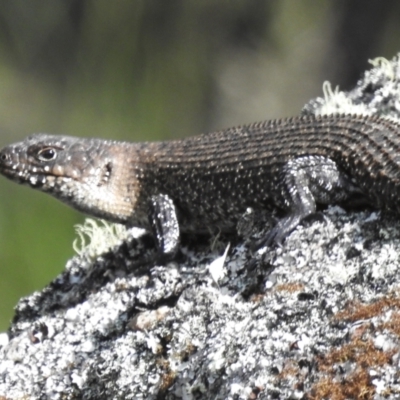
[(318, 318)]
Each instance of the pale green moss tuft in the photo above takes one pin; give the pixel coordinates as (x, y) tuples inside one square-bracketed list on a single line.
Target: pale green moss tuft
[(337, 101), (96, 237), (385, 65)]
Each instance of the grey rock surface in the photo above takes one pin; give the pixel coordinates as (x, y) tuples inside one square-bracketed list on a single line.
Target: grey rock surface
[(318, 318)]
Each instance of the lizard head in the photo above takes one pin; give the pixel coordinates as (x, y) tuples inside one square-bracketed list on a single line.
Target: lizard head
[(77, 171)]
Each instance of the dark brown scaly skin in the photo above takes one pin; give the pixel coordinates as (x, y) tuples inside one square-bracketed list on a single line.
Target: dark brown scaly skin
[(209, 181)]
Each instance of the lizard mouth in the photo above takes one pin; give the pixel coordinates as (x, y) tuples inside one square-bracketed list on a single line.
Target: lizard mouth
[(24, 176)]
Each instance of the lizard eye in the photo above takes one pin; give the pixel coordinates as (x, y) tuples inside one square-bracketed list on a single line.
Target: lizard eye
[(47, 154)]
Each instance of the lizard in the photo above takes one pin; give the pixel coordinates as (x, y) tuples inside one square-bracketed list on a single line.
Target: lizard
[(210, 180)]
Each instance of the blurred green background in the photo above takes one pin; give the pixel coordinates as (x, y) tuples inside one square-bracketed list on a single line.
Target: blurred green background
[(147, 70)]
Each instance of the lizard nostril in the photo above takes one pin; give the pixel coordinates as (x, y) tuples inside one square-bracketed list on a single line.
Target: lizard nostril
[(4, 157)]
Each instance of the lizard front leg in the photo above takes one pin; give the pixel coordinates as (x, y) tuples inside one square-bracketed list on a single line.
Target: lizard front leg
[(165, 226)]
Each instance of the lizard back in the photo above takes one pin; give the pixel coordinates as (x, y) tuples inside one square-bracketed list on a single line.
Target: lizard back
[(218, 175)]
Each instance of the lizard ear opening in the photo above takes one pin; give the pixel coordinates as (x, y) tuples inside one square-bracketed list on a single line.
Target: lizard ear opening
[(106, 174)]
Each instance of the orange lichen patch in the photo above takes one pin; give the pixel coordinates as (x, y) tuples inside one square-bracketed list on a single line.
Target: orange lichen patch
[(360, 352), (257, 298), (291, 372), (168, 376), (363, 353), (291, 369), (291, 287), (356, 386), (356, 311), (167, 380), (393, 325)]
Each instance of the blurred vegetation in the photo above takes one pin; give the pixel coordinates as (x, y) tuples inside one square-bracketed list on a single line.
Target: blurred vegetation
[(147, 70)]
